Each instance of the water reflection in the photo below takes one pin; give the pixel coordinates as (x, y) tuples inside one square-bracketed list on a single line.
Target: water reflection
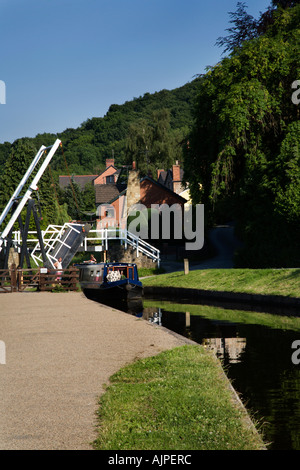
[(226, 348), (257, 359), (230, 348), (153, 315)]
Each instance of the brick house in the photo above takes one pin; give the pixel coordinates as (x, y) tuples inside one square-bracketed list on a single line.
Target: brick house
[(144, 191), (105, 193), (108, 176)]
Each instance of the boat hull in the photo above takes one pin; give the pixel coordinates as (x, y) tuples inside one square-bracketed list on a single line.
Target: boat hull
[(110, 281), (127, 293)]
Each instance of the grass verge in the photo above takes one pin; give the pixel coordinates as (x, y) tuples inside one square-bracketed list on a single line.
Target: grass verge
[(252, 281), (150, 271), (179, 399)]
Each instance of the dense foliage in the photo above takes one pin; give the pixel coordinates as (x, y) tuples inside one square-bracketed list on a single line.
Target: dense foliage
[(87, 147), (244, 148), (19, 158), (166, 116), (152, 145), (246, 27)]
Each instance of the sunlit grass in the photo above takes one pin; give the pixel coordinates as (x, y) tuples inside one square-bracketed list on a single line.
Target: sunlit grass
[(253, 281), (179, 399)]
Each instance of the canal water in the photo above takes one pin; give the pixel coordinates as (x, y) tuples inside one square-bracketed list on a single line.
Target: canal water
[(256, 353)]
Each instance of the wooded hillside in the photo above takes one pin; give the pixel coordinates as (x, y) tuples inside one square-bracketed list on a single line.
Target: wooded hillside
[(87, 146), (235, 129)]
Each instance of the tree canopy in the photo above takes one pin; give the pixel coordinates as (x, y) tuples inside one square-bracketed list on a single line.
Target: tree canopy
[(244, 147), (86, 148), (152, 145), (246, 27), (19, 159)]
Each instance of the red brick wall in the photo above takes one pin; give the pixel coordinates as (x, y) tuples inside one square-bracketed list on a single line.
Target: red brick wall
[(118, 205), (102, 178)]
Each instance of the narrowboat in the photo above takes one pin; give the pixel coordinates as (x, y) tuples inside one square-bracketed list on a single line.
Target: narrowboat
[(110, 281)]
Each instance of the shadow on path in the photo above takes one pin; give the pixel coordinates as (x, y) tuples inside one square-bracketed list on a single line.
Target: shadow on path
[(225, 244)]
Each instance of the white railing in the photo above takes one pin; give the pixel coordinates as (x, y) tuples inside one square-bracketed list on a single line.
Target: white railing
[(96, 240), (125, 237), (55, 241)]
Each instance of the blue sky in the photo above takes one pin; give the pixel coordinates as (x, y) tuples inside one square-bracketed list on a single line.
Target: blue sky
[(65, 61)]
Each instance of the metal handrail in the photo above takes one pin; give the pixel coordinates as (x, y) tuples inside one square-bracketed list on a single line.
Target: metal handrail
[(53, 233)]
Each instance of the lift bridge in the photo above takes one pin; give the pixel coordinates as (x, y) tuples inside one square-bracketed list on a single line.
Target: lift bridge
[(44, 247)]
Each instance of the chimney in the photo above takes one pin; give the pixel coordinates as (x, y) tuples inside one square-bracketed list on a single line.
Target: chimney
[(133, 193), (176, 172), (134, 166), (110, 161), (176, 177)]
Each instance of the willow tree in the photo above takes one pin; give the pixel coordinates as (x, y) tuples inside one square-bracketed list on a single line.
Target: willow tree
[(244, 113)]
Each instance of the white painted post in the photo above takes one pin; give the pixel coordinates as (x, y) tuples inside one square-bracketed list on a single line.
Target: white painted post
[(2, 353), (186, 266)]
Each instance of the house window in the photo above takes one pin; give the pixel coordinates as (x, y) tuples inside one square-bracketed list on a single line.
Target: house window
[(110, 179), (110, 212)]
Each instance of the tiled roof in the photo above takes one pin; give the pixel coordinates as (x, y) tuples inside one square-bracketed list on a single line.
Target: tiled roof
[(162, 177), (170, 172), (122, 191), (162, 186), (105, 192), (81, 180)]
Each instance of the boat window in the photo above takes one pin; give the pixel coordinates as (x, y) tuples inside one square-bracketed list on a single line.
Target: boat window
[(130, 273)]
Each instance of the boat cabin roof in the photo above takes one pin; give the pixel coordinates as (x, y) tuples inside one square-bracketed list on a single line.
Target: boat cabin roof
[(114, 264)]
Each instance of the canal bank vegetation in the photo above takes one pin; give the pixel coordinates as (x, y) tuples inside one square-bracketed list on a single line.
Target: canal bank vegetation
[(285, 282), (179, 399)]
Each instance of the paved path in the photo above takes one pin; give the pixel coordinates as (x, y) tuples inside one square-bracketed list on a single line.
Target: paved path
[(225, 243), (60, 350)]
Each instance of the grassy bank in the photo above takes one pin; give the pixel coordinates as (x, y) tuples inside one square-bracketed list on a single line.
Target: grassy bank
[(179, 399), (252, 281)]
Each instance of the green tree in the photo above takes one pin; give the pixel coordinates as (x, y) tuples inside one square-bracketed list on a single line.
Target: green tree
[(89, 198), (286, 182), (243, 146), (21, 155), (246, 27), (73, 198), (150, 143), (17, 163)]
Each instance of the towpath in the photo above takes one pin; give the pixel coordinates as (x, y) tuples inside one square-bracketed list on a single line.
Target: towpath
[(60, 351), (225, 243)]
